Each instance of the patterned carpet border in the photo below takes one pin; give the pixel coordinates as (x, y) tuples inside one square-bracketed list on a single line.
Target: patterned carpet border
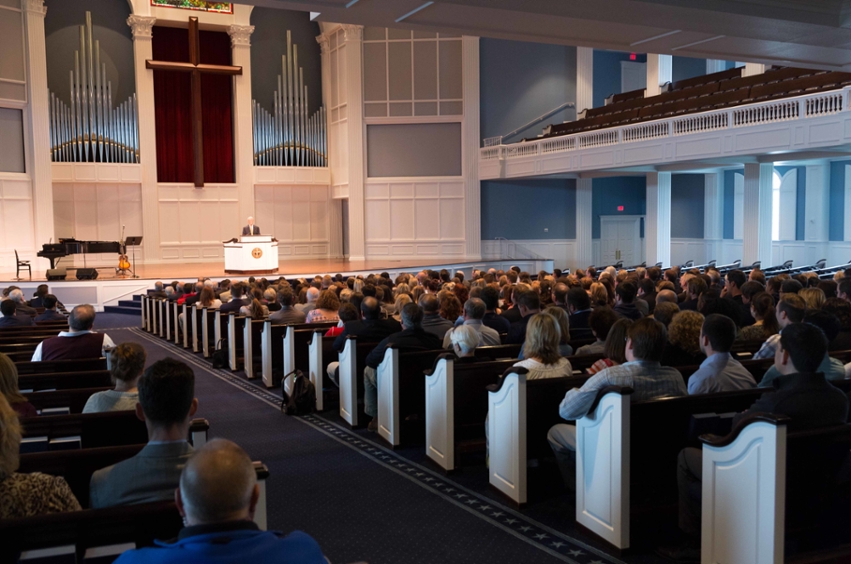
[(559, 545)]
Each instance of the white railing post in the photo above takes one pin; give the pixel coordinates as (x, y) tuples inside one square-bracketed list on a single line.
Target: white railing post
[(387, 381)]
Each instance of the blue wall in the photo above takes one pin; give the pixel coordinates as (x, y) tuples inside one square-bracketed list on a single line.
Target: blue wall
[(687, 204), (687, 67), (521, 81), (607, 73), (837, 200), (609, 193), (521, 209)]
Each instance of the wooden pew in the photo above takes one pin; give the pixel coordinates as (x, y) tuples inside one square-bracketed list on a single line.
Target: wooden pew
[(287, 347), (102, 531), (64, 380), (321, 353), (74, 400), (236, 335), (52, 366), (352, 364), (787, 477), (252, 347)]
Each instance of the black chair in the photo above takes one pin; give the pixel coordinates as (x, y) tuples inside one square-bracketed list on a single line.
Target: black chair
[(22, 265)]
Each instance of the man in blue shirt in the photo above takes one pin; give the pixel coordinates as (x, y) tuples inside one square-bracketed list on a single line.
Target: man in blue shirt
[(720, 372), (217, 497)]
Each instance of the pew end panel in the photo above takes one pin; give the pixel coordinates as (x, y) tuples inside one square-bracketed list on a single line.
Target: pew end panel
[(387, 381), (266, 354), (349, 382), (289, 359), (603, 467), (176, 308), (260, 512), (506, 432), (743, 492), (317, 366), (440, 412)]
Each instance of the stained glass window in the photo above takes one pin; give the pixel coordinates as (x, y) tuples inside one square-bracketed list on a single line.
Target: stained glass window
[(202, 5)]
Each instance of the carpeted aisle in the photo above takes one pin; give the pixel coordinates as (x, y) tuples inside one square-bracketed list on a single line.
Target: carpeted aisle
[(360, 501)]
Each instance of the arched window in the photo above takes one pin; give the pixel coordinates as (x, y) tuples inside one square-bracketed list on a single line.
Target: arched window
[(776, 181), (784, 204)]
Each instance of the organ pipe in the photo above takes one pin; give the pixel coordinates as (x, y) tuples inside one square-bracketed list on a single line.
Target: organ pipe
[(90, 128), (288, 135)]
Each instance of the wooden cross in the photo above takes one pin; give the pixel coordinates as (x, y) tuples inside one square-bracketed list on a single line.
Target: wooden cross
[(196, 69)]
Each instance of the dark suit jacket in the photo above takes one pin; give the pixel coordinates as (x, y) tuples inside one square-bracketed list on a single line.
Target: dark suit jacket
[(627, 310), (517, 332), (496, 322), (690, 305), (512, 315), (579, 320), (651, 301), (808, 399), (745, 317), (233, 306), (50, 315), (23, 309), (246, 230), (17, 321), (407, 340), (367, 330)]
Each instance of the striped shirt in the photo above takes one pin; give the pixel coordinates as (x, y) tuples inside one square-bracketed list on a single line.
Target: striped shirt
[(648, 379)]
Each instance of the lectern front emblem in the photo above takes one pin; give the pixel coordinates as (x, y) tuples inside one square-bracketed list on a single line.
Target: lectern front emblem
[(257, 253)]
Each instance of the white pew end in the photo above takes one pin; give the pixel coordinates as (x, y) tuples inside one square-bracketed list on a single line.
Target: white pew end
[(440, 412), (506, 426), (349, 382), (317, 366), (387, 380)]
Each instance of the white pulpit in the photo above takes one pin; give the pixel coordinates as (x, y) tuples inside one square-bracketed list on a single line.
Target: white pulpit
[(252, 255)]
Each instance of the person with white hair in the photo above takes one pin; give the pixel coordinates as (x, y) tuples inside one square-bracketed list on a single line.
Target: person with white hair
[(250, 229), (21, 305), (464, 339), (217, 498), (312, 296)]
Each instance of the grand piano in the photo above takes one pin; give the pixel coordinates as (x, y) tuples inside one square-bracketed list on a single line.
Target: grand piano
[(66, 247)]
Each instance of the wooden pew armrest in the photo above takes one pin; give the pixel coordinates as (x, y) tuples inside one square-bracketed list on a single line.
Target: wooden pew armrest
[(444, 356), (512, 370), (718, 442), (199, 424), (622, 390)]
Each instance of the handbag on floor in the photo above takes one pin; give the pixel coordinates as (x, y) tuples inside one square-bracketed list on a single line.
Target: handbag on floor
[(220, 355), (303, 399)]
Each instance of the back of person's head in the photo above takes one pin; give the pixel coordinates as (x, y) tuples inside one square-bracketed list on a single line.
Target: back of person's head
[(720, 330), (49, 301), (616, 340), (543, 337), (737, 277), (286, 297), (218, 484), (237, 290), (312, 294), (206, 297), (474, 308), (647, 286), (664, 312), (791, 286), (601, 320), (560, 292), (648, 337), (793, 306), (412, 316), (10, 439), (8, 308), (578, 299), (327, 300), (666, 295), (9, 380), (626, 291), (828, 323), (844, 287), (805, 344), (42, 290), (127, 361), (529, 300), (466, 338), (757, 275), (166, 392), (696, 286), (348, 312), (430, 303), (841, 309), (490, 296), (17, 295), (562, 319), (370, 308), (684, 331), (368, 290), (814, 297), (751, 288), (82, 318)]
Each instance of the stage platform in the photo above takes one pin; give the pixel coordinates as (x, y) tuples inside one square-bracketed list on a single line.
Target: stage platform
[(109, 288)]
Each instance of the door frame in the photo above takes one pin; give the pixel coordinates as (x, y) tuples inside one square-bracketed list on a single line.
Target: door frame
[(637, 241)]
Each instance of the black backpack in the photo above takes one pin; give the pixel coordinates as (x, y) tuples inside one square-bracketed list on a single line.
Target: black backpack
[(220, 355), (303, 399)]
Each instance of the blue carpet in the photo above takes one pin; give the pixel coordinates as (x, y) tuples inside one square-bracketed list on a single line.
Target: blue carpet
[(116, 320), (358, 499)]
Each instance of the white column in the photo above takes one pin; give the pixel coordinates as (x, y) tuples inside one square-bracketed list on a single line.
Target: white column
[(240, 40), (354, 93), (660, 69), (753, 68), (141, 27), (756, 240), (657, 226), (847, 210), (713, 214), (335, 208), (584, 81), (470, 143), (714, 65), (817, 208), (584, 216), (37, 117)]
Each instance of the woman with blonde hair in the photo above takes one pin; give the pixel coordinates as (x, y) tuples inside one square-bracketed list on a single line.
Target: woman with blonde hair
[(814, 297), (327, 308), (401, 301), (9, 388), (126, 364), (26, 495), (563, 320), (255, 310), (614, 351), (683, 348), (599, 295), (541, 349)]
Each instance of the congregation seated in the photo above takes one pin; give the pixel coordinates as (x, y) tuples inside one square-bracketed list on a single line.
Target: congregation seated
[(38, 301), (126, 363), (614, 347), (348, 312), (762, 310), (286, 314), (720, 372), (237, 300), (463, 341), (474, 313), (166, 405), (789, 309), (11, 316), (26, 495), (326, 308), (217, 497), (563, 320), (159, 290), (23, 308), (79, 342), (528, 303), (254, 310), (541, 355), (10, 390), (49, 302), (433, 322), (683, 348), (642, 372), (600, 321), (311, 295), (579, 308)]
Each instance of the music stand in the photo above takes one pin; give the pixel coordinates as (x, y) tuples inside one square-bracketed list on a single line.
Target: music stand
[(132, 242)]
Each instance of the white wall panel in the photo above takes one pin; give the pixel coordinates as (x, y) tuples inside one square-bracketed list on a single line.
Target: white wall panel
[(16, 221), (194, 222), (297, 216)]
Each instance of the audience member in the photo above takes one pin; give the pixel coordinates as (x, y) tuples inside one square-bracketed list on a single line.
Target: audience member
[(667, 296), (762, 309), (563, 321), (325, 309), (720, 372), (9, 388), (830, 368), (348, 312), (490, 295), (79, 342), (474, 312), (287, 314), (579, 308), (401, 301), (614, 351), (312, 295), (217, 498), (735, 279), (11, 318), (665, 312), (642, 372), (541, 349), (647, 293), (813, 297), (528, 304), (126, 363), (790, 309), (166, 405), (683, 348), (26, 495), (842, 310), (450, 307), (238, 299), (49, 302), (693, 289), (21, 306), (433, 322), (254, 310), (600, 321)]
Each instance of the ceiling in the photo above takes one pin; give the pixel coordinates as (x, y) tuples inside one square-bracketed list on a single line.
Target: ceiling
[(806, 33)]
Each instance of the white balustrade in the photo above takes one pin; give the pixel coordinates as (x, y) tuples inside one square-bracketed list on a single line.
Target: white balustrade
[(645, 131)]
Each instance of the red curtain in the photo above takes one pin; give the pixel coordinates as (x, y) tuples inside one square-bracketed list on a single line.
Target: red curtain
[(175, 160)]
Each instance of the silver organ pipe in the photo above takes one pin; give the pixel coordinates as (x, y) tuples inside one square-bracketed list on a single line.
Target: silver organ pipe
[(288, 135), (90, 128)]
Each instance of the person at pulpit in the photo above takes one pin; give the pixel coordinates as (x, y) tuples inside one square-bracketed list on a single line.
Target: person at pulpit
[(250, 229)]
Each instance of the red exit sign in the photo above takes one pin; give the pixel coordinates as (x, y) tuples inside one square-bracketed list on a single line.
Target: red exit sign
[(620, 208)]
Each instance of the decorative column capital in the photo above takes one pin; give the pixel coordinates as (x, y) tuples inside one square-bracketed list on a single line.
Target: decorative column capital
[(324, 43), (34, 7), (353, 32), (141, 26), (240, 35)]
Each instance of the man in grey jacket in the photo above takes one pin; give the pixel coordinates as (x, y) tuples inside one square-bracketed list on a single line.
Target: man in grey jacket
[(166, 404)]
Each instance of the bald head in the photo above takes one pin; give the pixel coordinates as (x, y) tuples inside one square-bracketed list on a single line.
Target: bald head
[(218, 484), (666, 296)]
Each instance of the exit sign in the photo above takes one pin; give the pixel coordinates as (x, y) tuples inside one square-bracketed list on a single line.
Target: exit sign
[(620, 208)]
